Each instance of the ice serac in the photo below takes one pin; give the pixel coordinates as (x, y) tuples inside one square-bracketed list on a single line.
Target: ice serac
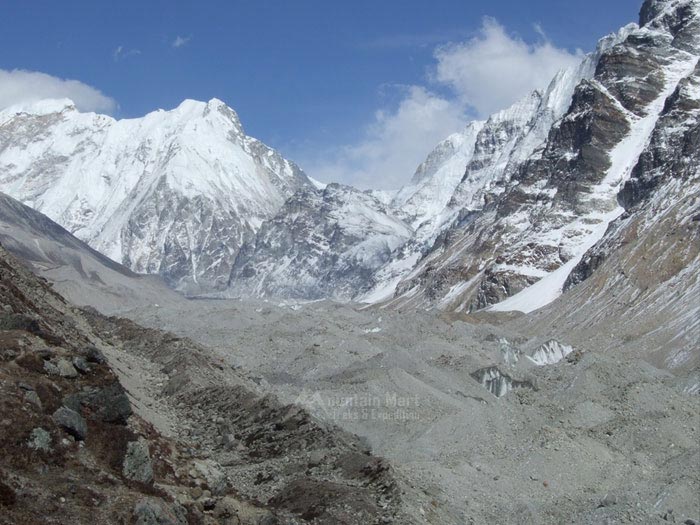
[(174, 193), (323, 243), (550, 353), (517, 243)]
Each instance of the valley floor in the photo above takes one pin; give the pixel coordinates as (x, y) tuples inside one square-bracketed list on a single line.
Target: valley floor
[(599, 437)]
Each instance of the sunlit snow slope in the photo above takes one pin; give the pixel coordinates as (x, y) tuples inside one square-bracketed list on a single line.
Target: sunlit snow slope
[(174, 193)]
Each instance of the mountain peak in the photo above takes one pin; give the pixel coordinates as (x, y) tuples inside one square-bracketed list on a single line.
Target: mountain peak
[(41, 107), (175, 192), (190, 108), (216, 103)]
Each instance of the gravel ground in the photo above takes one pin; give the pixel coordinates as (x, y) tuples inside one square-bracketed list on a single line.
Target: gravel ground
[(599, 437)]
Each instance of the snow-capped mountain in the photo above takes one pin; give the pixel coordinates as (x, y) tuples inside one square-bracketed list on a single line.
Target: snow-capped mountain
[(424, 199), (174, 193), (323, 243), (513, 203), (523, 228), (433, 200), (466, 170)]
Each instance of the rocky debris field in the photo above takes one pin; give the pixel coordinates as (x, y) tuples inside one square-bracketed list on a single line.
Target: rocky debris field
[(102, 421), (251, 412), (481, 422), (72, 451), (275, 453)]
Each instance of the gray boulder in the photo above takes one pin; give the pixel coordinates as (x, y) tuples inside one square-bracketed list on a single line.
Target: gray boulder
[(50, 368), (66, 369), (149, 512), (92, 354), (71, 422), (137, 462), (81, 364), (40, 439), (109, 404), (32, 397), (212, 473)]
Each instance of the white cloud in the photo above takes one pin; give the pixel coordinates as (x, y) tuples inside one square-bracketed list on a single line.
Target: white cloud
[(393, 145), (493, 69), (120, 53), (19, 86), (181, 41), (484, 74)]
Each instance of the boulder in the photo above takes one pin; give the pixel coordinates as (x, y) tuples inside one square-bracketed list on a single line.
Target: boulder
[(51, 368), (212, 473), (150, 512), (71, 422), (109, 404), (66, 369), (81, 364), (137, 462), (40, 439), (92, 354), (32, 397)]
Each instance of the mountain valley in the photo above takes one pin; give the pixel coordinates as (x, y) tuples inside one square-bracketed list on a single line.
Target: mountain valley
[(194, 330)]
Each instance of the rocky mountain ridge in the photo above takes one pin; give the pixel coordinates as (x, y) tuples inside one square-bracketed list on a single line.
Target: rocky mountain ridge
[(512, 204), (322, 244), (550, 207)]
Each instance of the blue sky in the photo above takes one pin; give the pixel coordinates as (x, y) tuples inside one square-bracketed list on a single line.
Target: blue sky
[(324, 81)]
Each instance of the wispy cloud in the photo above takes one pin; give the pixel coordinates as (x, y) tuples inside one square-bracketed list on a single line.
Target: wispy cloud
[(494, 69), (19, 86), (477, 76), (392, 145), (181, 41), (120, 53), (413, 40)]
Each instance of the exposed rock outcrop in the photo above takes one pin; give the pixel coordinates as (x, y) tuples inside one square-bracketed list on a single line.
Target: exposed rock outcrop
[(79, 447)]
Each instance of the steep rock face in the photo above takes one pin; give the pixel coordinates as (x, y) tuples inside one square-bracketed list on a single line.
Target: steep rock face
[(322, 243), (436, 179), (665, 174), (174, 193), (488, 155), (559, 201), (638, 289)]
